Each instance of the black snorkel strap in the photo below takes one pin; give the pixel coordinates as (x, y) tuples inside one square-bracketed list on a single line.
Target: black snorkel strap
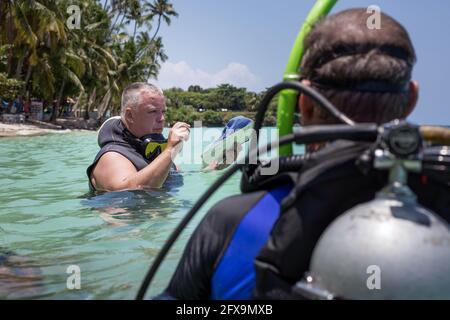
[(367, 86), (370, 86), (345, 50)]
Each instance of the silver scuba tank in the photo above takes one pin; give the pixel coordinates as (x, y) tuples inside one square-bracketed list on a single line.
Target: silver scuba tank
[(388, 248)]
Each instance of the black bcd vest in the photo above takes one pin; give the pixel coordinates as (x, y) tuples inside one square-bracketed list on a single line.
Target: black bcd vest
[(328, 183)]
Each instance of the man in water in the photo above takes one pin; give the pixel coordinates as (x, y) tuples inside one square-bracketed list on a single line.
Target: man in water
[(247, 246), (134, 154)]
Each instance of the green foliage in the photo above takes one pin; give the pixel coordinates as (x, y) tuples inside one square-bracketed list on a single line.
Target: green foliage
[(225, 96), (184, 114), (4, 54), (9, 88), (93, 63), (212, 118), (118, 43), (195, 88), (229, 97), (184, 105)]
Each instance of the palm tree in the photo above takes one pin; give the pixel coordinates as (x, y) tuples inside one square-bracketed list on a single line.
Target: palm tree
[(17, 31), (118, 8), (69, 67), (135, 14), (94, 63), (164, 11), (39, 30)]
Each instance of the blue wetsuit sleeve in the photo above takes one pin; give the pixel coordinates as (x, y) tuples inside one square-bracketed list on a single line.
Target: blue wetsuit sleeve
[(192, 278)]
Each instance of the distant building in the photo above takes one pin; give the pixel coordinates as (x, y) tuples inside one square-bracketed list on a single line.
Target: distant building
[(37, 110)]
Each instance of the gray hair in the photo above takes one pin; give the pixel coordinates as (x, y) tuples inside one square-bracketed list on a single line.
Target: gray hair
[(131, 94)]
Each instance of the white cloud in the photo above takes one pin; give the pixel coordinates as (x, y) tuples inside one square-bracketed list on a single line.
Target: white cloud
[(182, 75)]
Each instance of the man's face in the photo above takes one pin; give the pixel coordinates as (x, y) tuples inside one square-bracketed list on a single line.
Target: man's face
[(148, 116)]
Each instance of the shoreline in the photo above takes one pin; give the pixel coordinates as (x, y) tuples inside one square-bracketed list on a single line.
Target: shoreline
[(66, 125), (8, 130)]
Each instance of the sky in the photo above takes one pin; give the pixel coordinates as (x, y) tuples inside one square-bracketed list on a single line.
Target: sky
[(247, 43)]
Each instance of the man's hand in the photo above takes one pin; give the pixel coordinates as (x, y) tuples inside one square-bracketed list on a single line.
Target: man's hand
[(177, 134), (229, 157), (232, 154)]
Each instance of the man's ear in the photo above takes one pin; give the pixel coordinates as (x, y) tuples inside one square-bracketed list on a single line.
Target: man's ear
[(305, 106), (413, 97), (128, 115)]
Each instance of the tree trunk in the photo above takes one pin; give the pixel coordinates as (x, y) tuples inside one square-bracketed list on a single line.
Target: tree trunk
[(76, 109), (89, 103), (123, 18), (114, 23), (58, 102), (10, 41), (140, 53), (157, 29), (27, 78), (104, 104), (134, 32), (86, 112), (20, 66)]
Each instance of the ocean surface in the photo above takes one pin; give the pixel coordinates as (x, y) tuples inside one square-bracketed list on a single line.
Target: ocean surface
[(52, 228)]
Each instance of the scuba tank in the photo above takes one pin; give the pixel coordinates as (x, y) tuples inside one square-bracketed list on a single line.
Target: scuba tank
[(390, 247)]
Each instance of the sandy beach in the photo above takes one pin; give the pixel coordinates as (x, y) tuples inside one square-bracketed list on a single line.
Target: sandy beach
[(18, 130)]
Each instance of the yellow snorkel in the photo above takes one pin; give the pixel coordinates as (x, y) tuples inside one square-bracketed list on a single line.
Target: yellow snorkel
[(288, 98)]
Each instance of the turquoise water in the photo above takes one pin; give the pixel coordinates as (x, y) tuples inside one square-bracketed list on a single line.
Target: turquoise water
[(49, 222)]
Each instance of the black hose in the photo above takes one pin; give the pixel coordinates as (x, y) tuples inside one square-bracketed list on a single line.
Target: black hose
[(301, 88), (173, 237), (314, 134), (357, 133), (308, 91)]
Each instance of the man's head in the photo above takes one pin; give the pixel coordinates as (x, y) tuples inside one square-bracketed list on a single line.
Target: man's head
[(142, 109), (365, 72)]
